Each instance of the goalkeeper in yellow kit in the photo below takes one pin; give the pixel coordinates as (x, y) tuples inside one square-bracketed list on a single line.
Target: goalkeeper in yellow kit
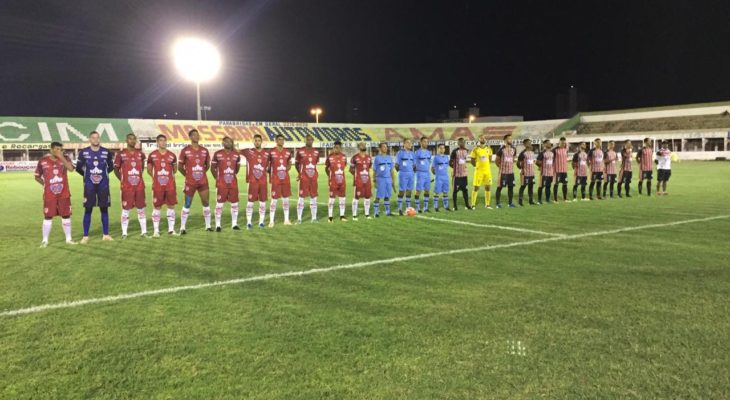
[(481, 157)]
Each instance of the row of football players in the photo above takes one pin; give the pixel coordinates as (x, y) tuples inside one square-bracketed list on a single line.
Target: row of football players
[(272, 166)]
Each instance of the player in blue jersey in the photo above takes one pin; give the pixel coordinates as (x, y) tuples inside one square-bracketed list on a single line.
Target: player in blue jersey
[(423, 174), (440, 169), (384, 179), (405, 165), (94, 164)]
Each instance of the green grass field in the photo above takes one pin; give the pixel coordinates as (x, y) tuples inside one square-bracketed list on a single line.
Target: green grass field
[(639, 313)]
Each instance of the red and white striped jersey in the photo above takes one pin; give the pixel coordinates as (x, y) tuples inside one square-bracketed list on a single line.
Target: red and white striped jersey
[(507, 160), (458, 162), (610, 160), (626, 159), (546, 158), (646, 158), (561, 159), (580, 163), (595, 158), (526, 162)]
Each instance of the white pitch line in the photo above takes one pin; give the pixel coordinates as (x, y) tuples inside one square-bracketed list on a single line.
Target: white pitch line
[(506, 228), (175, 289)]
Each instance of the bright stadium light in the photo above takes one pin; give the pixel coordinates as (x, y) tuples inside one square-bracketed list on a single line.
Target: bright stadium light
[(472, 118), (316, 112), (196, 60)]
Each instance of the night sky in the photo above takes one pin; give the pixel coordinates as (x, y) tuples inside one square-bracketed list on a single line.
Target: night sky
[(398, 61)]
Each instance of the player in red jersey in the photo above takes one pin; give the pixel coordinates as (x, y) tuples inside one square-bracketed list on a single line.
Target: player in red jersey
[(279, 166), (610, 160), (505, 161), (596, 163), (52, 173), (560, 159), (360, 169), (129, 167), (625, 175), (580, 170), (224, 166), (161, 166), (194, 164), (306, 163), (257, 166), (547, 171), (645, 158), (526, 164), (334, 166)]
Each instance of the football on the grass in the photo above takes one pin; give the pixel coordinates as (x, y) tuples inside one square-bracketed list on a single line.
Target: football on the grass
[(410, 211)]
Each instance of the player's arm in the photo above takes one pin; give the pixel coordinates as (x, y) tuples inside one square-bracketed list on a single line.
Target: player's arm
[(498, 159), (80, 163), (433, 162), (452, 159), (539, 160), (39, 172), (118, 165), (397, 161), (181, 164), (214, 166), (473, 156), (109, 164), (206, 167), (150, 167), (575, 161), (352, 166), (327, 166), (392, 179), (521, 160), (297, 162)]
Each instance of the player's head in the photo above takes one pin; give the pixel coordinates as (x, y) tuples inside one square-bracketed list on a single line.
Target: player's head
[(257, 140), (665, 145), (337, 147), (94, 138), (461, 142), (279, 140), (441, 148), (597, 143), (194, 136), (547, 144), (647, 141), (383, 147), (309, 140), (527, 143), (563, 142), (423, 142), (131, 140), (162, 142), (362, 147), (582, 146), (407, 144), (627, 144), (611, 144), (482, 139), (227, 143), (508, 139), (57, 149)]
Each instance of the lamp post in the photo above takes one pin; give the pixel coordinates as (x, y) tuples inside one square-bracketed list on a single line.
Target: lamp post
[(316, 111), (198, 61)]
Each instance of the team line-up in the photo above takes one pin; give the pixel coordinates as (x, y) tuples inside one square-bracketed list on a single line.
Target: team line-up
[(268, 171)]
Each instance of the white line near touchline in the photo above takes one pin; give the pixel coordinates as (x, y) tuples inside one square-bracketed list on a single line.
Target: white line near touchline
[(506, 228), (175, 289)]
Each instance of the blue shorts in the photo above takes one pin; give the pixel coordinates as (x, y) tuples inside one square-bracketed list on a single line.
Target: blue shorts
[(384, 188), (405, 181), (96, 196), (442, 185), (423, 181)]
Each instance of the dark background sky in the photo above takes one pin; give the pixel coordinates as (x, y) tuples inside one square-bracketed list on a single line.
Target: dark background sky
[(399, 61)]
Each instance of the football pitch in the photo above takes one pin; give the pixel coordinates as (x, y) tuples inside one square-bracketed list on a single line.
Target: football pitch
[(620, 298)]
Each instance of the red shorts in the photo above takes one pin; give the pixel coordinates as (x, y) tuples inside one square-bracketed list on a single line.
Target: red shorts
[(337, 190), (257, 190), (56, 207), (280, 190), (133, 199), (164, 198), (307, 187), (190, 189), (227, 195), (364, 191)]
